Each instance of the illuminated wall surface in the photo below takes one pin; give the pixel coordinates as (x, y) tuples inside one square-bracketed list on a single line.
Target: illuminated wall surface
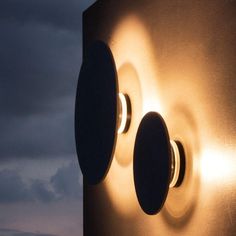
[(177, 58)]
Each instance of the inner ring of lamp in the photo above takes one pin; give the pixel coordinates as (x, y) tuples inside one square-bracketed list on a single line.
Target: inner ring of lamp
[(175, 164), (124, 107)]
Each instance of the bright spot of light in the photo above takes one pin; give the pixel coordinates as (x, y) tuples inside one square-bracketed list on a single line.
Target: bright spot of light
[(218, 166)]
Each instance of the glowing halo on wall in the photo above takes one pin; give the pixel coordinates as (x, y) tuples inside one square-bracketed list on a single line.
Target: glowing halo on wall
[(132, 51)]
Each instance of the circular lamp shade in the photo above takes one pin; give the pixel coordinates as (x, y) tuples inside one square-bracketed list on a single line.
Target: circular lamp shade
[(96, 112), (152, 163)]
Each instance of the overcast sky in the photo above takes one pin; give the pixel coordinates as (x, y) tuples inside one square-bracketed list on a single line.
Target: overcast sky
[(40, 57)]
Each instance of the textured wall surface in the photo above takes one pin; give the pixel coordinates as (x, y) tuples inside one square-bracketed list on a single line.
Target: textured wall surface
[(177, 58)]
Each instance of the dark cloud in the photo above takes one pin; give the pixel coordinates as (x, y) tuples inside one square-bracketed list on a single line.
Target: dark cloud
[(40, 192), (38, 77), (38, 136), (66, 181), (12, 232), (59, 13), (64, 184), (39, 67), (40, 57), (12, 188)]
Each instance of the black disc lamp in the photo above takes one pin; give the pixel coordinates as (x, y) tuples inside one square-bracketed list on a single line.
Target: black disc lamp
[(158, 163), (101, 112)]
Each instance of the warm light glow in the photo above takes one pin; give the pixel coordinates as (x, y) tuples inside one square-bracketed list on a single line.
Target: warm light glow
[(218, 166), (129, 85), (120, 187), (183, 71), (131, 43), (124, 113), (137, 77), (184, 94)]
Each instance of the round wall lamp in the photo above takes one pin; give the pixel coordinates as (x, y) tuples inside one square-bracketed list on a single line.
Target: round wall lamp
[(100, 112), (158, 163)]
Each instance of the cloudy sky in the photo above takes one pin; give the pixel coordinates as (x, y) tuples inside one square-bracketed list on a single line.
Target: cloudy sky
[(40, 57)]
